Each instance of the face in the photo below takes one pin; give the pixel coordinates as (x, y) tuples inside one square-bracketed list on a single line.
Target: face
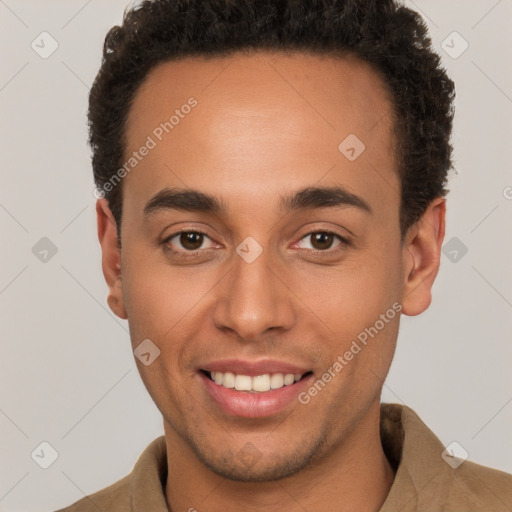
[(263, 275)]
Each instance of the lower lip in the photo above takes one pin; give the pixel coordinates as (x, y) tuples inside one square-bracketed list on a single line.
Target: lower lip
[(254, 405)]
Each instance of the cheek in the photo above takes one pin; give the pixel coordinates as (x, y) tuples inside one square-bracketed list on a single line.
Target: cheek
[(162, 301), (363, 311), (358, 293), (154, 305), (150, 299)]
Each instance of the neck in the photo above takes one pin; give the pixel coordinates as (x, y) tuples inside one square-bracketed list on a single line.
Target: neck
[(353, 476)]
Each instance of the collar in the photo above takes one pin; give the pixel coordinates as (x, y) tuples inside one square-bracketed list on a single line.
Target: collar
[(423, 480)]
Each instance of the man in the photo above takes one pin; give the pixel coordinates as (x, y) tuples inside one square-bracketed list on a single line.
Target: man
[(271, 180)]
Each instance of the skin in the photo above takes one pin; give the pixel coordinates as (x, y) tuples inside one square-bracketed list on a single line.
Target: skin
[(267, 124)]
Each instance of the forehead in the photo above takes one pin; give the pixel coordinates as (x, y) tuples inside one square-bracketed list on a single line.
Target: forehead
[(339, 90), (262, 122)]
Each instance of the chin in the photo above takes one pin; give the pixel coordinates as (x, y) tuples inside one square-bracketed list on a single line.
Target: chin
[(249, 464), (261, 471)]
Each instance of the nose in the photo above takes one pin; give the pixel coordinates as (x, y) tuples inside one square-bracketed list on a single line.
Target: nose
[(254, 299)]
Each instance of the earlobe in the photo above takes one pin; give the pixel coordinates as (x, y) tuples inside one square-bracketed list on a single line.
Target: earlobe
[(110, 258), (422, 253)]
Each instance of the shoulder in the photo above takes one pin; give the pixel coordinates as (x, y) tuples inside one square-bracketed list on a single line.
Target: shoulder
[(482, 485), (117, 493), (427, 478), (142, 489)]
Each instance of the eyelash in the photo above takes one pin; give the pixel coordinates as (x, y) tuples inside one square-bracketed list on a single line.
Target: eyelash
[(344, 242)]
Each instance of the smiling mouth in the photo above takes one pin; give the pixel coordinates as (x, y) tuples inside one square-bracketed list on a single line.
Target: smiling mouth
[(254, 384)]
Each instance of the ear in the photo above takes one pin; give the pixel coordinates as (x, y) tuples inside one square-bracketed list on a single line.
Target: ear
[(110, 258), (422, 257)]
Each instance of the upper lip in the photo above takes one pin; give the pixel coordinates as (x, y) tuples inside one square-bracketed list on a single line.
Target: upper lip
[(253, 368)]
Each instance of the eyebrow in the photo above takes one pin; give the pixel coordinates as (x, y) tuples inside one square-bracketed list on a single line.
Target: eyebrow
[(192, 200)]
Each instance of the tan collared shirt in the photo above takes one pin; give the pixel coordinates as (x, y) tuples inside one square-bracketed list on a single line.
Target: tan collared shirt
[(424, 480)]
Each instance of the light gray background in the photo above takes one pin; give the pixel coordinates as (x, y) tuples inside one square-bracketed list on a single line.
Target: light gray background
[(68, 374)]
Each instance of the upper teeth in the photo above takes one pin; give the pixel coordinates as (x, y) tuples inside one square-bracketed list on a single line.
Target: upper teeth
[(260, 383)]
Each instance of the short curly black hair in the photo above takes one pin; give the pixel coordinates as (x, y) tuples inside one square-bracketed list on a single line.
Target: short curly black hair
[(392, 38)]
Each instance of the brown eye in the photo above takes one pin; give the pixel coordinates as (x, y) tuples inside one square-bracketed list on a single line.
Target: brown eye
[(322, 241), (191, 240), (186, 241)]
